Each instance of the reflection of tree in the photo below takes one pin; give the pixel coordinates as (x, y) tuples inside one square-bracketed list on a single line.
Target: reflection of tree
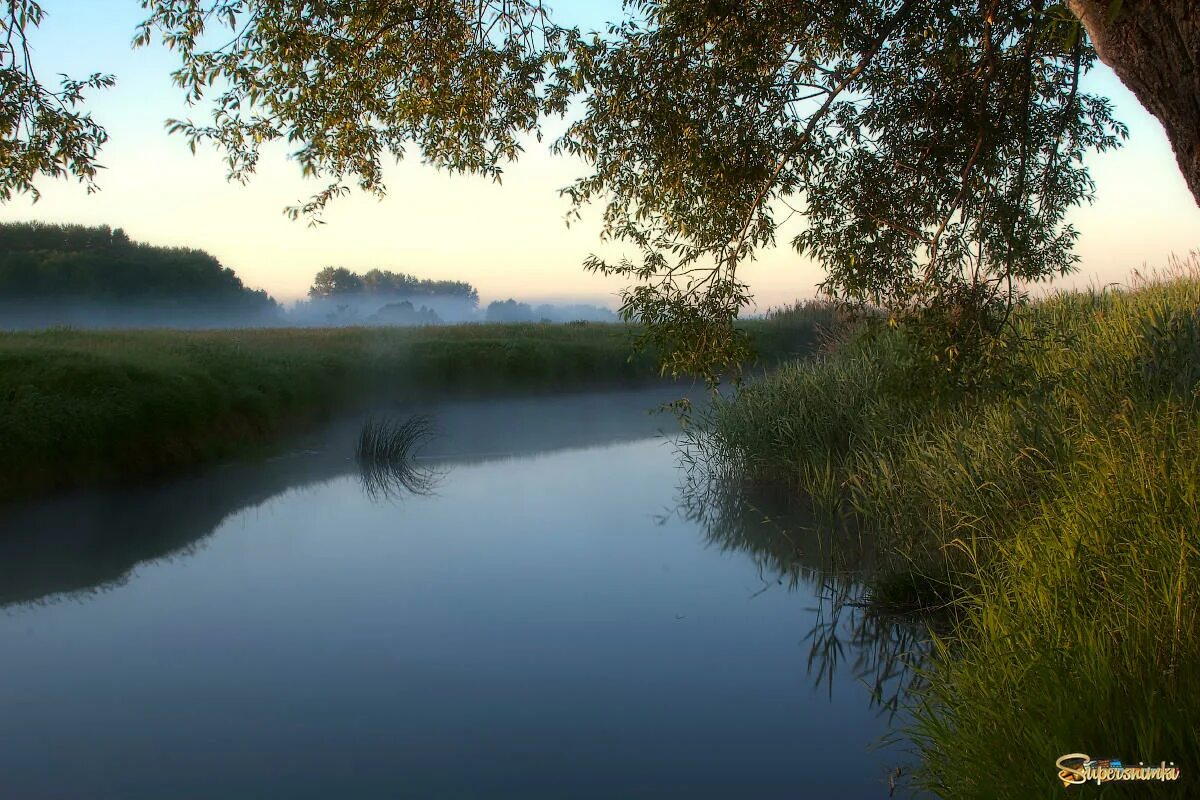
[(776, 530)]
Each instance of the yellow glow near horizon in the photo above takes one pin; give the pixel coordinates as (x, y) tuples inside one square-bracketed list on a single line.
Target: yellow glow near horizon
[(509, 240)]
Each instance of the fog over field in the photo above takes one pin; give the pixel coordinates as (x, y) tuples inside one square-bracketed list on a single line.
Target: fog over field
[(370, 310), (96, 277), (406, 309)]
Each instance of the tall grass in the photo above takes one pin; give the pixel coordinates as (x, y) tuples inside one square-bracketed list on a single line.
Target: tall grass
[(85, 406), (81, 406), (1083, 636), (798, 329), (1055, 515)]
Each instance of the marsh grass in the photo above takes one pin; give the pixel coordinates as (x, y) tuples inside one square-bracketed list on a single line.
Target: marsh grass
[(1082, 635), (79, 406), (100, 406), (387, 453), (1054, 516), (800, 329)]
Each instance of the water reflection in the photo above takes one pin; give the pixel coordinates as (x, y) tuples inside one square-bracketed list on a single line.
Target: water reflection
[(389, 457), (93, 541), (88, 541), (529, 619), (792, 549)]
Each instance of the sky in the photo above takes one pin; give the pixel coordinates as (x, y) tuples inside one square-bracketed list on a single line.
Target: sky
[(508, 240)]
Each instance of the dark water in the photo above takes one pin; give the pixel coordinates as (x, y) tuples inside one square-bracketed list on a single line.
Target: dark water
[(558, 619)]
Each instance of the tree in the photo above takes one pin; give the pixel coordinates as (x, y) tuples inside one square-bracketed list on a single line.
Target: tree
[(347, 81), (1154, 47), (42, 132), (43, 264), (508, 311), (332, 281), (404, 313), (932, 147)]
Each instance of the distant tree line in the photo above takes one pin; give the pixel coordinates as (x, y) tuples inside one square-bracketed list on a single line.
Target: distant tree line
[(335, 281), (75, 262), (404, 313), (95, 276)]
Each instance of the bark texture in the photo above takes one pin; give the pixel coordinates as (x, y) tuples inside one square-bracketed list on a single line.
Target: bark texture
[(1154, 47)]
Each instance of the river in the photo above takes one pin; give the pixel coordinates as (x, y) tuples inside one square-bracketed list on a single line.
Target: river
[(561, 615)]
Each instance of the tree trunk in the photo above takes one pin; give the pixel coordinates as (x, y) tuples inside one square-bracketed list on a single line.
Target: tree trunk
[(1154, 47)]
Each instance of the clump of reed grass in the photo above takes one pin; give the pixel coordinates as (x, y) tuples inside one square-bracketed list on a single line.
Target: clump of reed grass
[(803, 328), (387, 455)]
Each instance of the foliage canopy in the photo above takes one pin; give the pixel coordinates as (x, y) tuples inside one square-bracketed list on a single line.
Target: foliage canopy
[(932, 148), (43, 130), (334, 281)]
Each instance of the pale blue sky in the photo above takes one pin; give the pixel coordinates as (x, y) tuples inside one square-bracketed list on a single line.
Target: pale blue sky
[(508, 240)]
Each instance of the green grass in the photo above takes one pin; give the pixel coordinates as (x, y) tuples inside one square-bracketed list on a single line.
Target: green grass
[(1055, 516), (795, 331), (80, 407)]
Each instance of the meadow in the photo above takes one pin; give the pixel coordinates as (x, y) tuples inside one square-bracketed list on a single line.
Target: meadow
[(1049, 516), (84, 406)]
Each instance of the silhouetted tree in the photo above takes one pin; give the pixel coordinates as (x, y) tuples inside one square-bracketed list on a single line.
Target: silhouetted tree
[(404, 313), (74, 262), (933, 147), (333, 281), (508, 311)]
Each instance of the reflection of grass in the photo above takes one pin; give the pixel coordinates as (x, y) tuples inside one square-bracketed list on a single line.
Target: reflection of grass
[(850, 636), (387, 457), (1057, 514)]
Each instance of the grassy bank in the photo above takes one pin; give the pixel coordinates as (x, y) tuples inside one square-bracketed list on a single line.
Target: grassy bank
[(80, 406), (1056, 513), (87, 406)]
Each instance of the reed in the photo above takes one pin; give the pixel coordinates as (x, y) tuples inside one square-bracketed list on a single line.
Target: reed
[(80, 407), (85, 407), (1052, 515), (387, 455)]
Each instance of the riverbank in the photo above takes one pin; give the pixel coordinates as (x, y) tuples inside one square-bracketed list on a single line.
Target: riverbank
[(81, 407), (1054, 516)]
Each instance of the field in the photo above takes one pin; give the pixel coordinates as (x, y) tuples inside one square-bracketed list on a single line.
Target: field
[(81, 406), (1052, 516)]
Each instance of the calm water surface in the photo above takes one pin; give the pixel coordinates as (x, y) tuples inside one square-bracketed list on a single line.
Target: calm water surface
[(558, 619)]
